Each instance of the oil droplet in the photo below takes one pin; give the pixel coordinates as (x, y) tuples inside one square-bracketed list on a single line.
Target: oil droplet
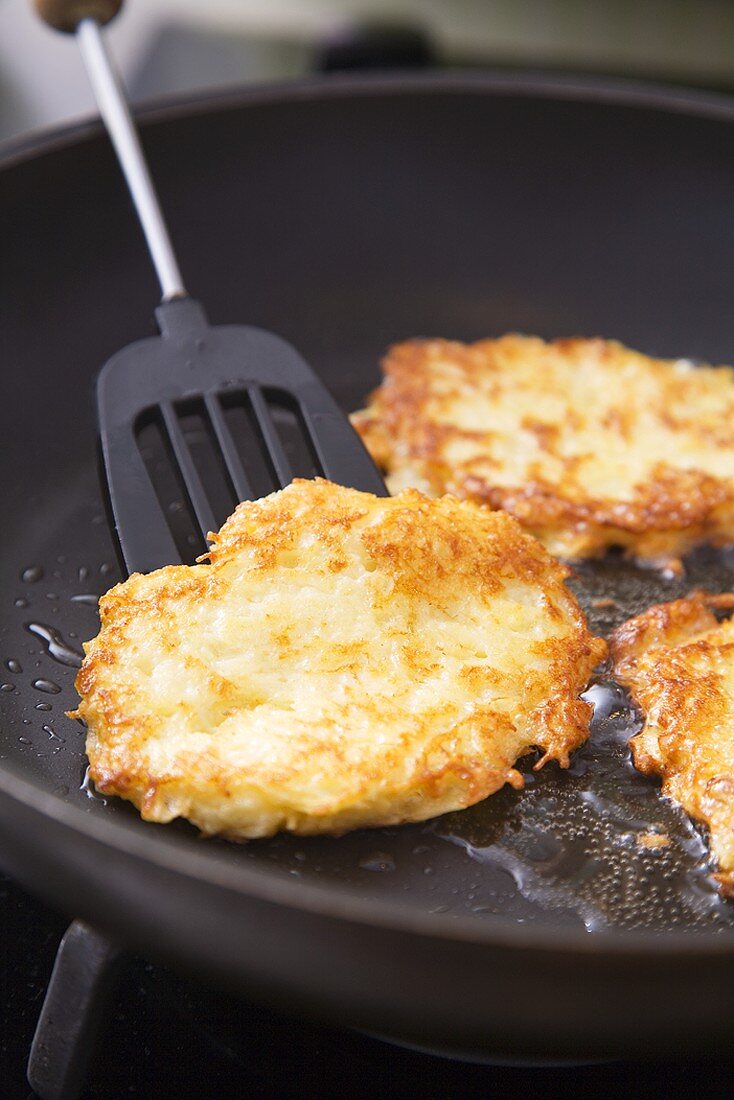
[(82, 572), (12, 665), (32, 574), (53, 734), (48, 686), (377, 861), (52, 596), (21, 602), (56, 647), (87, 785), (86, 597), (43, 706), (7, 687), (105, 568), (25, 741)]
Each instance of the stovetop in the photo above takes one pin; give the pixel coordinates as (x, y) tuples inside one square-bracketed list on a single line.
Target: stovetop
[(169, 1037)]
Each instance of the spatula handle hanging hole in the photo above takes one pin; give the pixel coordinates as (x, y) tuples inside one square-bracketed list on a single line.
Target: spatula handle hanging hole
[(66, 15)]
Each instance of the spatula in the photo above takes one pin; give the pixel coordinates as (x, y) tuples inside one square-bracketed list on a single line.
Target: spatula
[(186, 418)]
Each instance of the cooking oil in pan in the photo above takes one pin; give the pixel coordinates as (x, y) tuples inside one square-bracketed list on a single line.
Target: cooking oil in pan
[(49, 687), (56, 646), (32, 574), (88, 788), (599, 841)]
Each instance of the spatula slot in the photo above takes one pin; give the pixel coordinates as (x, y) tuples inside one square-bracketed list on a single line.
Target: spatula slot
[(156, 451), (292, 433), (219, 498), (246, 445), (270, 437)]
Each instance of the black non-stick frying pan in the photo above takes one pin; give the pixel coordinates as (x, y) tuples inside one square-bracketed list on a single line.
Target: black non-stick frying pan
[(345, 215)]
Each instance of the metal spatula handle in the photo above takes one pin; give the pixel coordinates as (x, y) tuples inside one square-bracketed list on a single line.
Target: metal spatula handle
[(83, 17)]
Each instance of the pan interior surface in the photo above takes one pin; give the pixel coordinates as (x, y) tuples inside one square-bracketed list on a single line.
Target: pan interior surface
[(344, 225)]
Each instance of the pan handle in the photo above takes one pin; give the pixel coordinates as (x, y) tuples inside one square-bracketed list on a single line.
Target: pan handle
[(74, 1009), (66, 15)]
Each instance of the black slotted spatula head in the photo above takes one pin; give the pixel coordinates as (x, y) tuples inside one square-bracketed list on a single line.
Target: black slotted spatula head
[(198, 374), (191, 421)]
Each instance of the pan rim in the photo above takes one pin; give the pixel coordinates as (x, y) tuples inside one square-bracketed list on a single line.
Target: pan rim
[(249, 881), (324, 901), (521, 83)]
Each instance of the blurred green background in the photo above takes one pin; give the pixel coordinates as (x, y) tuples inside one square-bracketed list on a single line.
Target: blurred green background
[(169, 46)]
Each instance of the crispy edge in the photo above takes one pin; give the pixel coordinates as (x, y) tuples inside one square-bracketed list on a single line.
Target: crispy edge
[(561, 720), (675, 511), (668, 624)]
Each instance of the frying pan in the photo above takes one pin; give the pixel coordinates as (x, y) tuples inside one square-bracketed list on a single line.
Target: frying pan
[(346, 214)]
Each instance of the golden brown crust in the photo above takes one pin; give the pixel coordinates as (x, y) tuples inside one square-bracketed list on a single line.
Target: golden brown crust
[(677, 660), (587, 443), (343, 660)]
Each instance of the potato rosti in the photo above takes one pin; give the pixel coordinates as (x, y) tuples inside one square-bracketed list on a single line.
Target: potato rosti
[(678, 662), (344, 660), (586, 443)]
